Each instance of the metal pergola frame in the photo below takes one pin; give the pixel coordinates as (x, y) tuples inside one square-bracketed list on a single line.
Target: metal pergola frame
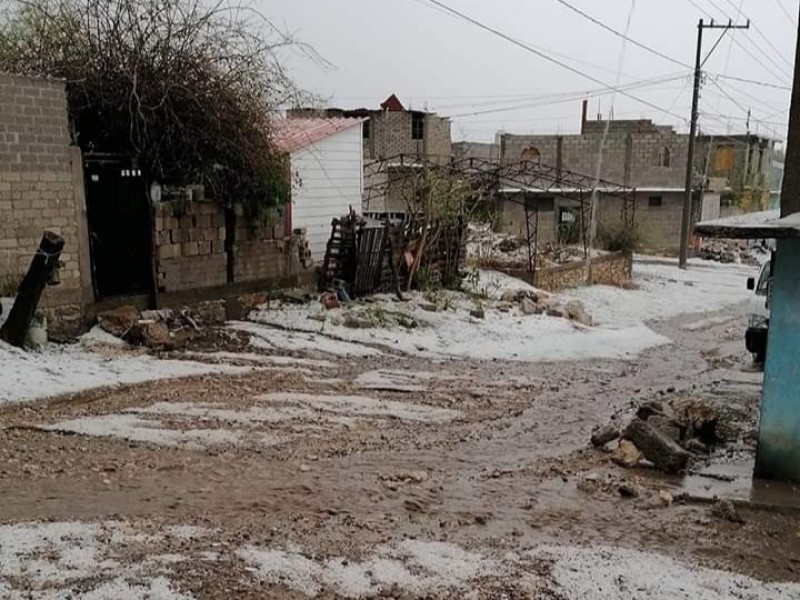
[(521, 176)]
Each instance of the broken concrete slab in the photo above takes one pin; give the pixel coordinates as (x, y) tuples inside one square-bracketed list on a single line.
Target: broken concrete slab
[(656, 447)]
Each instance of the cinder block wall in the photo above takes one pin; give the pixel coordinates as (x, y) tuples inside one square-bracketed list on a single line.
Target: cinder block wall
[(191, 248), (390, 135), (41, 187), (633, 158)]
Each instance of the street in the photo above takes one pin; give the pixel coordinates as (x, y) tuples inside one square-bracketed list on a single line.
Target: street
[(385, 475)]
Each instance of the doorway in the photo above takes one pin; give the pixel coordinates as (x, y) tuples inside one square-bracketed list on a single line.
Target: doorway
[(120, 226)]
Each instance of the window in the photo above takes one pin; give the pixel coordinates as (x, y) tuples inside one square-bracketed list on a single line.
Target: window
[(723, 160), (417, 126), (665, 157), (366, 129), (654, 201), (530, 155), (764, 279)]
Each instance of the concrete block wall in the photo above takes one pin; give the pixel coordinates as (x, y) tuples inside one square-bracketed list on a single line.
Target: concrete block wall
[(631, 158), (390, 135), (190, 246), (611, 269), (192, 252), (659, 227), (513, 220), (41, 186)]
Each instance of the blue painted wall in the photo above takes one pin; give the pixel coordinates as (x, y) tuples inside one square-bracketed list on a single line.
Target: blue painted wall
[(778, 455)]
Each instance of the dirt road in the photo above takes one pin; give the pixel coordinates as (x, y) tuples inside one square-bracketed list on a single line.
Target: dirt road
[(383, 476)]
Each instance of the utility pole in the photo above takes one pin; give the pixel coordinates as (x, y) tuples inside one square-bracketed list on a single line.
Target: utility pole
[(698, 78)]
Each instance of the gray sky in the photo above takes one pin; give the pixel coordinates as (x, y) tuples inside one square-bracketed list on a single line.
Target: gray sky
[(436, 61)]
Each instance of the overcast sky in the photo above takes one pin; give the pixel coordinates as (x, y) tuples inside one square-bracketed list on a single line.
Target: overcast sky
[(436, 61)]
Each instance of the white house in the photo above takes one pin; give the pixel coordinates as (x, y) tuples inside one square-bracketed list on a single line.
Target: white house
[(326, 157)]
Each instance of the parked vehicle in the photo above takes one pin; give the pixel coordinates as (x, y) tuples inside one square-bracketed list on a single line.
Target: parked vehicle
[(758, 313)]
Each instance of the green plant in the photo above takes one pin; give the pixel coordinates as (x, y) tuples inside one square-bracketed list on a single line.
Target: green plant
[(621, 239)]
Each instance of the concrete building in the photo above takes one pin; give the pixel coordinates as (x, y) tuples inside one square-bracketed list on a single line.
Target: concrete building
[(638, 154), (327, 166), (392, 137)]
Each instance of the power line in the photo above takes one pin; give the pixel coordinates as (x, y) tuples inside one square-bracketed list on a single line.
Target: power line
[(447, 12), (738, 43), (545, 56), (756, 46), (752, 82), (622, 35), (764, 37), (792, 19), (556, 97)]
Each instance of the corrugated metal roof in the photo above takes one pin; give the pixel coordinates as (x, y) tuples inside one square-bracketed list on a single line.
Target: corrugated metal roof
[(292, 135)]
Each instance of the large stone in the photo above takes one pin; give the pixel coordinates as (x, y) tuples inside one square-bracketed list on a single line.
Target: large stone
[(627, 455), (604, 435), (157, 335), (119, 321), (527, 306), (666, 426), (577, 312), (656, 447)]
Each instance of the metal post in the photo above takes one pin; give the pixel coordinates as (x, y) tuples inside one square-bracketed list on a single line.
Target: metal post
[(687, 200)]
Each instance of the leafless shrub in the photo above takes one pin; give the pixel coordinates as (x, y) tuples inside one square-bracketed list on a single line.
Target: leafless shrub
[(186, 87)]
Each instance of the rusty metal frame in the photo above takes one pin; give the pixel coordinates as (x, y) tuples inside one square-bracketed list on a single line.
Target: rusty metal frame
[(524, 175)]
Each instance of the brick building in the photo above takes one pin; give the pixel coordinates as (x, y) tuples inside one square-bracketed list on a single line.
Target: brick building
[(638, 154), (123, 243), (393, 136)]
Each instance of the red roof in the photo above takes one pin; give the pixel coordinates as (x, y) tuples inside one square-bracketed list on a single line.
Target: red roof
[(291, 135), (393, 104)]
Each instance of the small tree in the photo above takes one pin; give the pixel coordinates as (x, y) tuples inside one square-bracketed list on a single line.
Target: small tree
[(442, 202), (187, 88)]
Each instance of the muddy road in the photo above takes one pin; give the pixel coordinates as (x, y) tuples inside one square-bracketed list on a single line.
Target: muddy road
[(390, 477)]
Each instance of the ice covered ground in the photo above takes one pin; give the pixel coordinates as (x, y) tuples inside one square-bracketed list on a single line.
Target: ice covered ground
[(57, 370), (620, 315), (666, 291)]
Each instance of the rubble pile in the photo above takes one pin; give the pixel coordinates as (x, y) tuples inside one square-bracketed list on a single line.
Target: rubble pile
[(666, 436), (163, 330), (501, 251), (729, 251), (539, 303), (385, 311)]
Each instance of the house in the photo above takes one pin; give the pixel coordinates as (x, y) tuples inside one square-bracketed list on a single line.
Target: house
[(326, 162), (393, 137), (639, 155), (127, 240)]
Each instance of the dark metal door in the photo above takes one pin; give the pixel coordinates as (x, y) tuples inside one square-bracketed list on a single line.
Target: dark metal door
[(120, 227)]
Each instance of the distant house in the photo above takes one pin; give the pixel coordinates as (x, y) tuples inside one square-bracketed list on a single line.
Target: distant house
[(326, 157), (393, 136), (640, 155)]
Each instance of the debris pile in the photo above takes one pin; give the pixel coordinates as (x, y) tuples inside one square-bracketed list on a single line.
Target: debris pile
[(663, 436), (163, 330), (728, 251), (538, 303), (504, 252)]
